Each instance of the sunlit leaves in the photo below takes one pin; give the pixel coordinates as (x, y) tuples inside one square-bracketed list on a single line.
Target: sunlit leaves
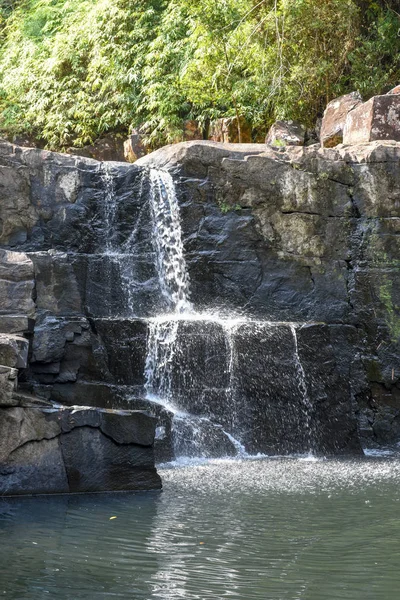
[(71, 70)]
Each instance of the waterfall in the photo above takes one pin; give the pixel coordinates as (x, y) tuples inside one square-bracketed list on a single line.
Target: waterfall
[(109, 207), (171, 264), (171, 361), (306, 402), (193, 435)]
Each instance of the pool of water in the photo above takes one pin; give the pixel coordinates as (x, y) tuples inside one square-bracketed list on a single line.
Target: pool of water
[(273, 529)]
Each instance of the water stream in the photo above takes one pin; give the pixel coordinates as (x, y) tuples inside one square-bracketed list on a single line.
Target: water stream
[(194, 435)]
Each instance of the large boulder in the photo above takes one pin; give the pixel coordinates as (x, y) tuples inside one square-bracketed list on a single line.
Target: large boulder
[(286, 133), (395, 90), (377, 119), (109, 148), (60, 450), (226, 130), (335, 116)]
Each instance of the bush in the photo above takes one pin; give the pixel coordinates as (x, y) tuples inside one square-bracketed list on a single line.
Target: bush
[(73, 70)]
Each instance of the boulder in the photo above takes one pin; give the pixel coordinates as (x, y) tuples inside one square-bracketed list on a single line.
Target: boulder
[(13, 351), (61, 450), (334, 118), (377, 119), (226, 130), (286, 133), (109, 148), (395, 90)]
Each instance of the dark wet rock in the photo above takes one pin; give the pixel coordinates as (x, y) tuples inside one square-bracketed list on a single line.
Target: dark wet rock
[(75, 450), (297, 234), (305, 235), (199, 438)]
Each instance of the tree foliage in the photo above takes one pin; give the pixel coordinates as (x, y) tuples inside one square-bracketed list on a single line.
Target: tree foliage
[(72, 70)]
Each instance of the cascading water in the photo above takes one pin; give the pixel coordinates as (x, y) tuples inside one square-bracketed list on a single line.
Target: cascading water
[(196, 435), (307, 405), (192, 433), (171, 264)]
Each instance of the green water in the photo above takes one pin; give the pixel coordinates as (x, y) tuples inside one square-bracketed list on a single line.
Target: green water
[(283, 529)]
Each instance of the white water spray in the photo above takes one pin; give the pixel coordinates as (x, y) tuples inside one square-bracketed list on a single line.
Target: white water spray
[(163, 338), (171, 264), (301, 378)]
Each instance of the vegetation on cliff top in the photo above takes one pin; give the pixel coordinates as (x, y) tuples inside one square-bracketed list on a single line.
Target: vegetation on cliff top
[(72, 70)]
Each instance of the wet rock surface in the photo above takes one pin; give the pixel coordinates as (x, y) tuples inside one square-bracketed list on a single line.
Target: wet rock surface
[(304, 234), (299, 235)]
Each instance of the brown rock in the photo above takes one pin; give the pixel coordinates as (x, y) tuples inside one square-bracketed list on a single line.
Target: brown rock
[(334, 118), (377, 119), (226, 131), (286, 133), (134, 146), (109, 148), (191, 131), (395, 90)]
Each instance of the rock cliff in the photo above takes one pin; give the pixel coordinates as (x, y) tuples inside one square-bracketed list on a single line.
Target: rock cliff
[(296, 235), (303, 234)]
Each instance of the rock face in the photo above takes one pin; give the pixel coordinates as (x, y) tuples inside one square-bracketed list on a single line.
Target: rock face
[(47, 450), (301, 237), (134, 146), (334, 118), (286, 133), (377, 119), (49, 252)]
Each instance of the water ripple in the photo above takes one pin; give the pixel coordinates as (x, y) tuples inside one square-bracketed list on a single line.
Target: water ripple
[(272, 529)]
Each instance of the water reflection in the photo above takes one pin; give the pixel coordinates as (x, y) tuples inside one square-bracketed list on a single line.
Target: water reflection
[(269, 529)]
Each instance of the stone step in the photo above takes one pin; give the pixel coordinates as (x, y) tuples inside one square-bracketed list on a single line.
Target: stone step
[(75, 449)]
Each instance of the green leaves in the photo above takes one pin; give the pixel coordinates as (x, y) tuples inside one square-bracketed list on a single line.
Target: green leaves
[(71, 70)]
